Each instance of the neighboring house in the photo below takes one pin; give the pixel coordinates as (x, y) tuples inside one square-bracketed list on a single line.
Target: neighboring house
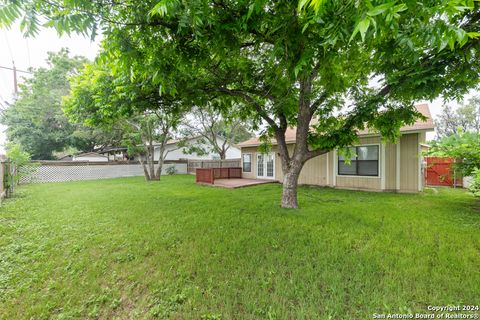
[(66, 158), (90, 156), (115, 153), (176, 153), (376, 166)]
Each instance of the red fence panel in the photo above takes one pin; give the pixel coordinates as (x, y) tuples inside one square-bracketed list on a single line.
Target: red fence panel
[(235, 172), (204, 175), (208, 175), (440, 172)]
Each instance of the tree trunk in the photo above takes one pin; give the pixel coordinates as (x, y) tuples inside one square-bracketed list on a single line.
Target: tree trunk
[(222, 155), (161, 159), (290, 184), (145, 170)]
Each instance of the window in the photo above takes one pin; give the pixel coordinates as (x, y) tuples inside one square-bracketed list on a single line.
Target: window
[(247, 162), (364, 162)]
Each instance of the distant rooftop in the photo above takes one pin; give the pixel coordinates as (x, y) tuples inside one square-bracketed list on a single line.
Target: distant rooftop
[(419, 125)]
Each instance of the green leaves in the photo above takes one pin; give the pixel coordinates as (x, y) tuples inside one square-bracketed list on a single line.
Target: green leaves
[(362, 27), (316, 5), (384, 14), (9, 12), (303, 63), (380, 9), (163, 7)]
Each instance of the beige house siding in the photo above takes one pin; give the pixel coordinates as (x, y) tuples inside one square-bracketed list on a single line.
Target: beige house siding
[(358, 183), (390, 166), (322, 170), (253, 152), (315, 171), (409, 159)]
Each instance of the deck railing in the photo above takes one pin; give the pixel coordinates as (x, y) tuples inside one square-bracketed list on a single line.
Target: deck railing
[(194, 164), (208, 175)]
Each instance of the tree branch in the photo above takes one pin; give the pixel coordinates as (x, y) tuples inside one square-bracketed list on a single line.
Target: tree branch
[(252, 101)]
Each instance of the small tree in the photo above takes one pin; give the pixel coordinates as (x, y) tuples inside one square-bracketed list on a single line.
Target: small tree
[(146, 132), (99, 98), (217, 133), (16, 165)]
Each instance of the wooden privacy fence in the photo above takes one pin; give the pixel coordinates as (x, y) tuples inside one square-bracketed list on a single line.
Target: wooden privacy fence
[(209, 175), (193, 165), (440, 172)]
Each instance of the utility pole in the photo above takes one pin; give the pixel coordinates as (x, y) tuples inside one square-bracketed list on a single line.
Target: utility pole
[(15, 80)]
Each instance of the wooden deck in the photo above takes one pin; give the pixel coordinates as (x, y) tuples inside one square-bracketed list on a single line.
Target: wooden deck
[(239, 183)]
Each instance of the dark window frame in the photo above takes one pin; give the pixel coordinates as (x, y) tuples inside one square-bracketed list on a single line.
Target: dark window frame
[(250, 162), (357, 162)]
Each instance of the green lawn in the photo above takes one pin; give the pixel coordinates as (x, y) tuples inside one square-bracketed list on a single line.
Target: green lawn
[(127, 249)]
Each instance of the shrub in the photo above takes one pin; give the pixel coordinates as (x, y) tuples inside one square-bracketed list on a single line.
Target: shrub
[(171, 170), (18, 158), (475, 186)]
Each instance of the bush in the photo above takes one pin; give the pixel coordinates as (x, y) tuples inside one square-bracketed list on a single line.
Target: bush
[(475, 186), (16, 154), (18, 158), (171, 170)]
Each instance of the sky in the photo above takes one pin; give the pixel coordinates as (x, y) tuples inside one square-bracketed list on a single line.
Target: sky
[(32, 52)]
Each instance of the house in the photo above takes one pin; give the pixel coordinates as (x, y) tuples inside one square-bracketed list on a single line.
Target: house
[(90, 157), (175, 152), (376, 166), (115, 153)]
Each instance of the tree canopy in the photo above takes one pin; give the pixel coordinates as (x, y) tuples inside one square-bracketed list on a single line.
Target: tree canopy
[(36, 121), (346, 64), (146, 118), (216, 132), (466, 118)]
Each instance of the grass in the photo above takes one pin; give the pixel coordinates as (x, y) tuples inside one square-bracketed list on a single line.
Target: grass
[(127, 249)]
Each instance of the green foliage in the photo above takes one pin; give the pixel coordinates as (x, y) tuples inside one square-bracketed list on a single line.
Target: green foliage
[(278, 64), (147, 118), (36, 121), (465, 147), (16, 154), (171, 170), (16, 168), (463, 119), (475, 185), (215, 132), (184, 251)]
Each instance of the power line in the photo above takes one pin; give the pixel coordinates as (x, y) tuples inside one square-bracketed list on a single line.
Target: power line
[(8, 68)]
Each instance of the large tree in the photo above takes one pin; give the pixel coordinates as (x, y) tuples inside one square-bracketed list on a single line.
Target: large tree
[(466, 118), (36, 121), (347, 64)]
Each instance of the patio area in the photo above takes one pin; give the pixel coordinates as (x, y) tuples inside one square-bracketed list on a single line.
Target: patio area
[(239, 182), (230, 178)]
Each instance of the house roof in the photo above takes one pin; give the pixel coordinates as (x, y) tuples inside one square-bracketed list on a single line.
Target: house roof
[(112, 149), (175, 141), (86, 154), (419, 125)]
